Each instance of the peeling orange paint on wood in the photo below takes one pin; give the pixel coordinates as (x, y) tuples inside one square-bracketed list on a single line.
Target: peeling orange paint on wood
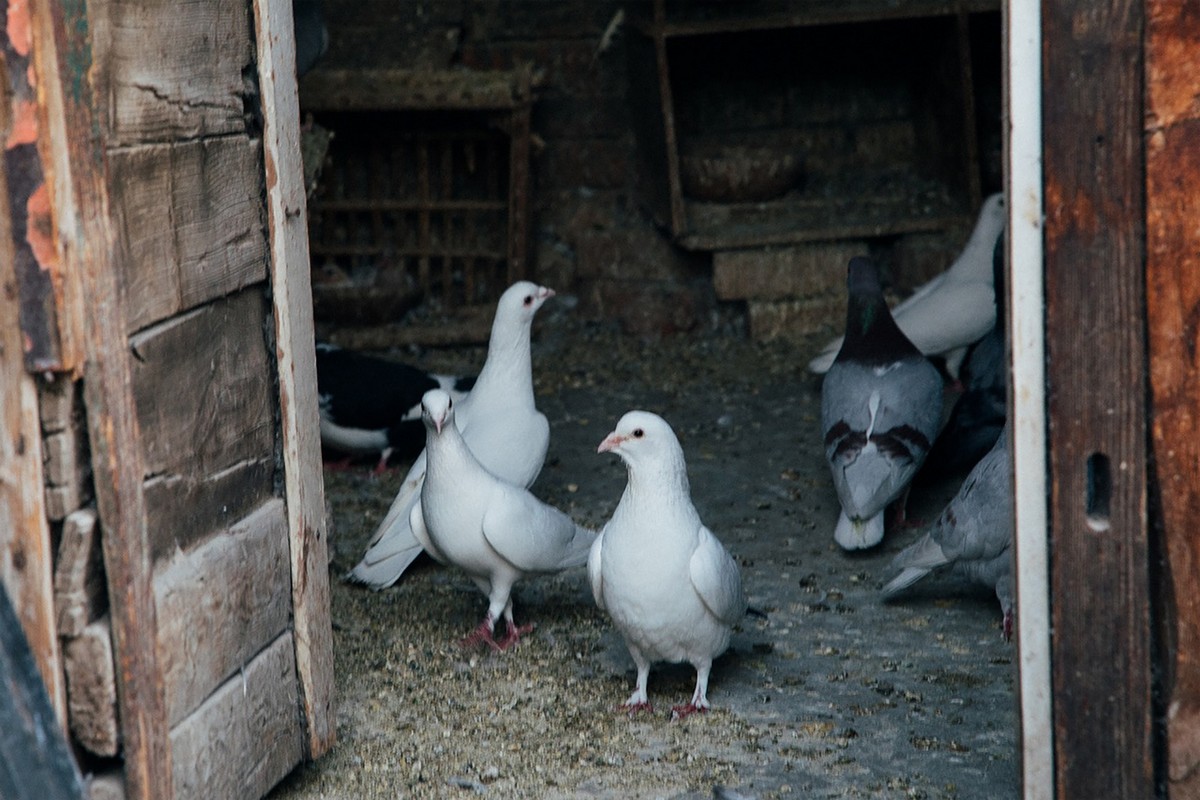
[(17, 26), (39, 229), (1173, 316)]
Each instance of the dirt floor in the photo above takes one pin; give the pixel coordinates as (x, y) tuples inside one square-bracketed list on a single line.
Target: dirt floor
[(835, 695)]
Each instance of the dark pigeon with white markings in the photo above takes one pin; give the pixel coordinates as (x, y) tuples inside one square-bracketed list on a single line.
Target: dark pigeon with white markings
[(881, 405)]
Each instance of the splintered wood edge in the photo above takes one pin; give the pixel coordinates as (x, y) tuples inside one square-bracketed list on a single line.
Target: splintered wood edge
[(291, 297)]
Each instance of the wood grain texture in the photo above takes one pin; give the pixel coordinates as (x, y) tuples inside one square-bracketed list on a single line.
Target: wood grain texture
[(1096, 373), (246, 736), (220, 604), (203, 390), (190, 223), (1173, 301), (291, 294), (81, 208), (171, 71)]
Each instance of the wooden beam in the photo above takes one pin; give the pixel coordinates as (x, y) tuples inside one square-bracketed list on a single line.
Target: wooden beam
[(1096, 374), (291, 294), (25, 550), (77, 169), (1173, 301)]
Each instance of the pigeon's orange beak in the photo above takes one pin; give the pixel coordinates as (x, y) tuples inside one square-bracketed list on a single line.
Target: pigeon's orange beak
[(610, 443), (546, 293)]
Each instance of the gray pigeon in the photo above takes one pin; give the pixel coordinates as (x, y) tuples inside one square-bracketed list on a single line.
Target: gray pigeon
[(495, 532), (973, 536), (669, 585), (881, 405)]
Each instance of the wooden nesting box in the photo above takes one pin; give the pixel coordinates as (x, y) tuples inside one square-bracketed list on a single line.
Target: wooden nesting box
[(765, 123), (162, 529), (424, 192)]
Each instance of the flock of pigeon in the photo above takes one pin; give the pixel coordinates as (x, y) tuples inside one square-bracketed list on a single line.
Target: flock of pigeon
[(667, 583)]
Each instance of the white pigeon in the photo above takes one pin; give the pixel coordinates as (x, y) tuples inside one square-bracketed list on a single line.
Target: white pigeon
[(669, 585), (881, 404), (972, 536), (947, 314), (494, 531), (499, 422)]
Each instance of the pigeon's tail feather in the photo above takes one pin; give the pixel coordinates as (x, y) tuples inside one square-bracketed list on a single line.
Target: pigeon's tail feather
[(392, 548), (902, 581), (576, 553), (925, 553), (858, 534), (354, 441), (380, 570)]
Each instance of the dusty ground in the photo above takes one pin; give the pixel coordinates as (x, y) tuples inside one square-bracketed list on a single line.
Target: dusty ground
[(834, 696)]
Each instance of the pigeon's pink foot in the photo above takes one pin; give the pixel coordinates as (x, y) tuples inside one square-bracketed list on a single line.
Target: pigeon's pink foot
[(679, 712), (1007, 626), (633, 709), (481, 635), (513, 635), (382, 466)]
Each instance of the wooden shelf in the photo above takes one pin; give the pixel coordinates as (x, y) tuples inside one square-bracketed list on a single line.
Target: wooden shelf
[(702, 18), (927, 181), (718, 226), (415, 90)]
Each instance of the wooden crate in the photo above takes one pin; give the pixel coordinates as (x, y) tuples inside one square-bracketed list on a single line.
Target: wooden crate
[(875, 97), (167, 544), (424, 191)]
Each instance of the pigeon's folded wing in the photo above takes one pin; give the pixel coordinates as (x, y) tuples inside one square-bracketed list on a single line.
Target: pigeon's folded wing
[(416, 521), (398, 511), (533, 536), (595, 576), (716, 578)]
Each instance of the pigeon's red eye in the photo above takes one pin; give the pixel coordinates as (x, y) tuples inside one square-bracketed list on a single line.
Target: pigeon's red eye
[(638, 433)]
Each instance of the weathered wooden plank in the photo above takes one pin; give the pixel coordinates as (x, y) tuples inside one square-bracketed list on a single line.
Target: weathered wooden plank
[(291, 295), (170, 71), (62, 42), (376, 89), (246, 736), (1096, 371), (92, 695), (25, 550), (213, 501), (79, 591), (190, 219), (203, 390), (27, 228), (1173, 315), (219, 604), (35, 760)]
